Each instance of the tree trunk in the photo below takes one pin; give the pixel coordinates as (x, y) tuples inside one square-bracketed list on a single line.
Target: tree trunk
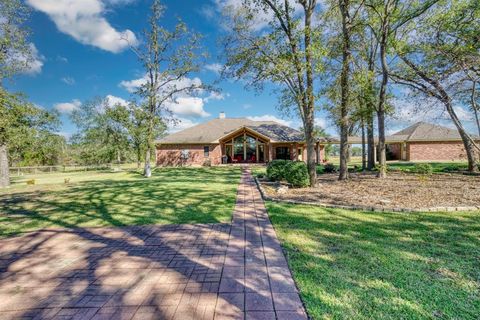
[(139, 156), (475, 106), (344, 84), (147, 172), (310, 108), (382, 156), (4, 168), (442, 95), (466, 139), (364, 151), (119, 158), (370, 144), (311, 156)]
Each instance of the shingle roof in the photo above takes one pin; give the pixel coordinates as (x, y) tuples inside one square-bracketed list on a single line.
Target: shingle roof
[(420, 131), (423, 131), (213, 130)]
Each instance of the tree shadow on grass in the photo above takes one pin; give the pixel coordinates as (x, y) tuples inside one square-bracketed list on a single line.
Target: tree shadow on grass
[(114, 273), (370, 265), (170, 196)]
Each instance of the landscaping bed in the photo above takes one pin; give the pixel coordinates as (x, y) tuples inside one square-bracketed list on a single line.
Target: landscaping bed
[(399, 191)]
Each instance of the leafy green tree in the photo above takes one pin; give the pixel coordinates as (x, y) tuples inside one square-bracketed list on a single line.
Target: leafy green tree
[(45, 148), (385, 18), (20, 122), (15, 56), (137, 127), (15, 51), (102, 136), (286, 53), (168, 58), (445, 50)]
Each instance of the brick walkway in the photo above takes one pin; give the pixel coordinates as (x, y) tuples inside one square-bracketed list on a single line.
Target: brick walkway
[(202, 271)]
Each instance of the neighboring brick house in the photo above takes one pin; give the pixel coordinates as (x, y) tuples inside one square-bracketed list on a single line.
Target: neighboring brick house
[(233, 140), (426, 142)]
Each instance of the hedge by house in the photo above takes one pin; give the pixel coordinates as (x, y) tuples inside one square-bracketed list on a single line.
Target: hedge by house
[(276, 170), (296, 173)]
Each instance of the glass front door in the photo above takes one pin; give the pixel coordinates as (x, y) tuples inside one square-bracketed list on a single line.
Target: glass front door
[(238, 149), (246, 148)]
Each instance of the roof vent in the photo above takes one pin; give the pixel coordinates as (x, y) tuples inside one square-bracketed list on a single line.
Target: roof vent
[(221, 115)]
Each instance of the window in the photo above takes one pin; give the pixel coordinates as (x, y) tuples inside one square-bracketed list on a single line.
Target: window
[(206, 151), (283, 153)]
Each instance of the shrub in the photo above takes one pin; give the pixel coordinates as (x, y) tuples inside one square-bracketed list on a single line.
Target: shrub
[(423, 168), (330, 168), (31, 182), (276, 170), (296, 173), (320, 169)]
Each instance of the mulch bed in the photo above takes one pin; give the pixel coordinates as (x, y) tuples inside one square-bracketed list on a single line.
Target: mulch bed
[(398, 191)]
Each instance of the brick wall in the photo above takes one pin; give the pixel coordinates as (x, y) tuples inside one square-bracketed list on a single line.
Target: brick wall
[(170, 155), (435, 151)]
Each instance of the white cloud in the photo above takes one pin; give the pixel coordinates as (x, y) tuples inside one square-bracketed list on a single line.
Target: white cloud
[(119, 2), (113, 100), (247, 106), (215, 95), (30, 64), (35, 65), (320, 122), (182, 124), (462, 114), (84, 21), (62, 59), (188, 106), (261, 18), (185, 104), (214, 67), (68, 80), (269, 117), (67, 107), (132, 85)]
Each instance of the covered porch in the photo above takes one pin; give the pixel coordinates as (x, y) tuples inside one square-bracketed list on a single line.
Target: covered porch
[(249, 146)]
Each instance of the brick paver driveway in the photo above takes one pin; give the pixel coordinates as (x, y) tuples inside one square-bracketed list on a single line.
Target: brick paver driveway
[(216, 271)]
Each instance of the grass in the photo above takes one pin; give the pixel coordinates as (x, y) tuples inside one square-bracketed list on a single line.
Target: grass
[(437, 167), (368, 265), (170, 196)]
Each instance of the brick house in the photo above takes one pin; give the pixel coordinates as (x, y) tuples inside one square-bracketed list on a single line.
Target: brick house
[(233, 140), (426, 142)]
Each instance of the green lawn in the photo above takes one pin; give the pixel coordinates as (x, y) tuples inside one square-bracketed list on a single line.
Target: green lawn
[(172, 195), (367, 265), (437, 167)]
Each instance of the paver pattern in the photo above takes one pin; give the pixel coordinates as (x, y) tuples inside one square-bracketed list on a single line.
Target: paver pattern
[(201, 271)]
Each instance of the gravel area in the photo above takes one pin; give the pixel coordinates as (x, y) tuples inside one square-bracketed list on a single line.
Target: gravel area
[(399, 190)]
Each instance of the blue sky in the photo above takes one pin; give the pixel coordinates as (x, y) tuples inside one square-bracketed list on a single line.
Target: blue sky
[(79, 56), (74, 66)]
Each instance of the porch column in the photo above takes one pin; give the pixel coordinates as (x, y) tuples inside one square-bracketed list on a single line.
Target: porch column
[(318, 153), (270, 152)]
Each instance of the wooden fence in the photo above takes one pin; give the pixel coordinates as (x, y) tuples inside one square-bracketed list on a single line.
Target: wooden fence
[(21, 171)]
